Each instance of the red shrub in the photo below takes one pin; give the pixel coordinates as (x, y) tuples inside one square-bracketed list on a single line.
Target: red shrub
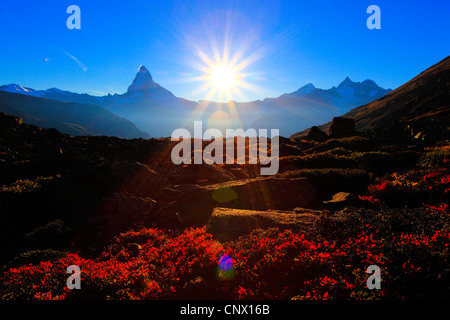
[(263, 265)]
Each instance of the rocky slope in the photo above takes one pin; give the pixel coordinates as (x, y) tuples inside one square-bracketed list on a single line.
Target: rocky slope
[(75, 193)]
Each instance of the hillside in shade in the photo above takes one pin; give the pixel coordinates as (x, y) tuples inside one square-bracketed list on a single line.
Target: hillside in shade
[(68, 117), (141, 227)]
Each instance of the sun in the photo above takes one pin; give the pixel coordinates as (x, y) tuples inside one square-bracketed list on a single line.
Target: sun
[(223, 77)]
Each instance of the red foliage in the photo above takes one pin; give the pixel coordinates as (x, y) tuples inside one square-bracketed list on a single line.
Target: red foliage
[(263, 265), (42, 282), (154, 272), (381, 187), (441, 209), (372, 199)]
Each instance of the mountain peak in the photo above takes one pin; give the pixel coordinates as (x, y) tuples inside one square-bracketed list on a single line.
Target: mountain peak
[(13, 87), (306, 89), (347, 82), (369, 83), (143, 69), (308, 86), (143, 80)]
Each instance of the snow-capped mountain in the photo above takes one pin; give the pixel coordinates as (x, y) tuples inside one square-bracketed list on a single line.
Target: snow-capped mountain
[(15, 88), (158, 111), (53, 94)]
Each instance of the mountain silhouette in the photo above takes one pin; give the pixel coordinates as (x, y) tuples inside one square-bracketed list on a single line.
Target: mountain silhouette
[(68, 117), (143, 81), (424, 101), (154, 109)]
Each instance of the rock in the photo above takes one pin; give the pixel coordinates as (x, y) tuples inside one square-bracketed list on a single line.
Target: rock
[(342, 127), (254, 194), (420, 136), (317, 135), (227, 224), (340, 201), (137, 178)]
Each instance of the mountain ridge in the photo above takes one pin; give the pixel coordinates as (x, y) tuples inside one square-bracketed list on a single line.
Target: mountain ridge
[(153, 108), (425, 95), (68, 117)]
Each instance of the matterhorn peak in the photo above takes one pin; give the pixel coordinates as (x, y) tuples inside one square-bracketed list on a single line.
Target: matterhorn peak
[(143, 80), (143, 69)]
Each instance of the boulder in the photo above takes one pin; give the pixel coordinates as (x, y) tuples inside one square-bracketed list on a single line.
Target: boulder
[(342, 127), (194, 205), (227, 224), (317, 135)]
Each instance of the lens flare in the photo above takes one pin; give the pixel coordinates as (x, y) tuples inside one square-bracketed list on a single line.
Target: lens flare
[(225, 263), (225, 269)]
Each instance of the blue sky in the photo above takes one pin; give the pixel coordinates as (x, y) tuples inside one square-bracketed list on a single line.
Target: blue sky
[(287, 43)]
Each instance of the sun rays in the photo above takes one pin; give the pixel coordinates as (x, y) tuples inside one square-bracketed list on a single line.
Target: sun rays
[(225, 67)]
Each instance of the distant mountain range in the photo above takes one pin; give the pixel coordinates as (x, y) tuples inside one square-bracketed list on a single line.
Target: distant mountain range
[(156, 110), (68, 117), (422, 104)]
